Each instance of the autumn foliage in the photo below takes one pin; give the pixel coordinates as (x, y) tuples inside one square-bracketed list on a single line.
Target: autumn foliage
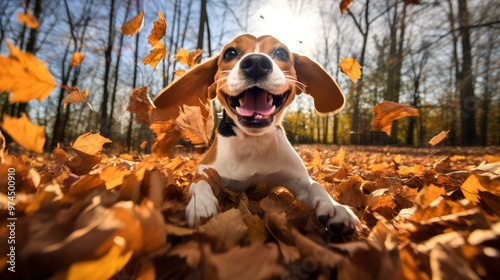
[(85, 212)]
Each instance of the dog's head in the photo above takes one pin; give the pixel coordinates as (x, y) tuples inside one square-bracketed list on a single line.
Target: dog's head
[(254, 79)]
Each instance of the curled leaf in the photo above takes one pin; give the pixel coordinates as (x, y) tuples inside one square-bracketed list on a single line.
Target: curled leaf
[(156, 55), (438, 138), (351, 68), (159, 30), (134, 25), (90, 144), (188, 58), (387, 112), (75, 96)]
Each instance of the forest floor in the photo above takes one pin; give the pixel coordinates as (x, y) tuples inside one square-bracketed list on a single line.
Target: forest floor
[(426, 213)]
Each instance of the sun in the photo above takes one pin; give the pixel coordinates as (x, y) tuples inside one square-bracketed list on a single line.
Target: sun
[(299, 31)]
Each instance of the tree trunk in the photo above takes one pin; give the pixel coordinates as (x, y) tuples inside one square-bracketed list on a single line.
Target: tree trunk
[(105, 122), (468, 100)]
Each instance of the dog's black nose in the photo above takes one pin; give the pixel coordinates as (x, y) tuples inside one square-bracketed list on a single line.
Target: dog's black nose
[(256, 66)]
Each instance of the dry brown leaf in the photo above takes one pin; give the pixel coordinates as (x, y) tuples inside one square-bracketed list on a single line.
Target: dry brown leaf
[(417, 170), (179, 72), (75, 96), (351, 68), (228, 228), (257, 261), (134, 25), (140, 103), (438, 138), (90, 144), (76, 59), (83, 163), (24, 76), (156, 55), (188, 58), (428, 194), (256, 231), (29, 20), (381, 201), (338, 160), (24, 132), (344, 4), (492, 158), (349, 192), (159, 30), (387, 112), (196, 128), (489, 170)]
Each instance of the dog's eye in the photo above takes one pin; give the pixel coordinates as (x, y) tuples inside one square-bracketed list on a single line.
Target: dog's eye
[(281, 54), (230, 54)]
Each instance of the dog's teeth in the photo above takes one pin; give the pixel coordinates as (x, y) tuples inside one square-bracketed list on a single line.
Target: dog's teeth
[(259, 117), (270, 100), (241, 102)]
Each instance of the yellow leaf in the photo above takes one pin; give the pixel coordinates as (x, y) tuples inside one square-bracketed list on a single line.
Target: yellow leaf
[(179, 72), (90, 144), (28, 19), (159, 30), (25, 133), (134, 25), (156, 55), (76, 59), (188, 58), (74, 95), (104, 267), (351, 68), (25, 76), (438, 138), (387, 112), (344, 5)]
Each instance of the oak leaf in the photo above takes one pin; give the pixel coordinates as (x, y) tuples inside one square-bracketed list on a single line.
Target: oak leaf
[(75, 96), (25, 133), (29, 20), (351, 68), (156, 55), (438, 138), (24, 76), (196, 128), (387, 112), (90, 144), (159, 30), (140, 102), (344, 4), (76, 59), (188, 58), (134, 25)]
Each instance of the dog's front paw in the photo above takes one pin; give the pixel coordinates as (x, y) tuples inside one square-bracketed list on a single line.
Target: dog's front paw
[(339, 219), (201, 205)]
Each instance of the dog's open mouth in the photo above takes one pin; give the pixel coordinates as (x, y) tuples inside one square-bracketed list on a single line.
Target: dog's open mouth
[(256, 107)]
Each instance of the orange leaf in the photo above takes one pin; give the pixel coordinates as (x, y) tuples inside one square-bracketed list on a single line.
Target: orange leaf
[(139, 102), (25, 76), (74, 95), (25, 133), (438, 138), (90, 144), (156, 55), (158, 31), (196, 128), (28, 19), (344, 5), (188, 58), (351, 68), (134, 25), (76, 59), (179, 72), (387, 112)]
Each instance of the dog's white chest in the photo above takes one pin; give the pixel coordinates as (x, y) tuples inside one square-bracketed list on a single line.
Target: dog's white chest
[(244, 161)]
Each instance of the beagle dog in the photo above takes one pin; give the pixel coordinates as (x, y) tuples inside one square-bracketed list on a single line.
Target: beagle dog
[(255, 79)]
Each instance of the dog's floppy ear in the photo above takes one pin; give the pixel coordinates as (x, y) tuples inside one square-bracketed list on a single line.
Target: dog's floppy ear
[(328, 97), (191, 89)]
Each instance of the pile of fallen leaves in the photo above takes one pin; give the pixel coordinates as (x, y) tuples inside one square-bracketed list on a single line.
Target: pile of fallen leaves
[(81, 214)]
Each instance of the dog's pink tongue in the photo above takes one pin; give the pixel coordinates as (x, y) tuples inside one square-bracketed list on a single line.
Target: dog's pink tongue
[(255, 102)]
